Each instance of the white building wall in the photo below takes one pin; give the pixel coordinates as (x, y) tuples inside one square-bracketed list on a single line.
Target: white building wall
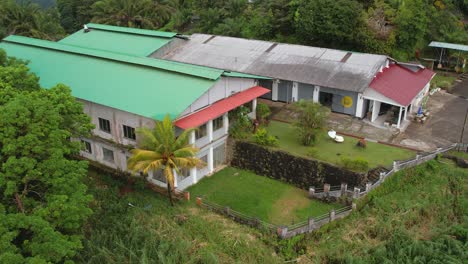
[(225, 87)]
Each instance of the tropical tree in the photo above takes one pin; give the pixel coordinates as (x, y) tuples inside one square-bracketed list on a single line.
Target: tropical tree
[(161, 149), (311, 118), (131, 13)]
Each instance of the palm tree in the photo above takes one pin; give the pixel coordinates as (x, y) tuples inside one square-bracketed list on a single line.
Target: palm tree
[(161, 149)]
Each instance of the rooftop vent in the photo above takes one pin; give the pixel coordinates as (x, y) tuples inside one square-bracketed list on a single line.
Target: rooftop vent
[(346, 57), (271, 47), (86, 29), (209, 39)]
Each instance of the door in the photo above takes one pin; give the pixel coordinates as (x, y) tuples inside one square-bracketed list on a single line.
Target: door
[(266, 84), (285, 91)]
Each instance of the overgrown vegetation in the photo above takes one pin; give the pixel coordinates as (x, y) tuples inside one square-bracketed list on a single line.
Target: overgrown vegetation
[(262, 137), (310, 121), (418, 215), (356, 164), (263, 112), (240, 126), (141, 227)]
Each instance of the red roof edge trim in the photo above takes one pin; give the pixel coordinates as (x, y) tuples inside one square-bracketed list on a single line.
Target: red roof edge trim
[(220, 107)]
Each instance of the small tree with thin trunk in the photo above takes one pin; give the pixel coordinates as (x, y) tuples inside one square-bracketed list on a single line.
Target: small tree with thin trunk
[(161, 149), (311, 118)]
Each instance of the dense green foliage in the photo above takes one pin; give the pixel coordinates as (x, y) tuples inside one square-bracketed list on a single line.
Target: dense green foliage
[(141, 227), (357, 164), (43, 202), (399, 28), (418, 215), (311, 118), (262, 137)]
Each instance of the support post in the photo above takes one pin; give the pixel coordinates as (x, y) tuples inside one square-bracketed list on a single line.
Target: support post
[(193, 173), (311, 192), (353, 206), (187, 196), (344, 188), (356, 192), (282, 231), (368, 186), (316, 95), (326, 188), (274, 90), (209, 127), (311, 223), (199, 201), (295, 92), (226, 121), (210, 159), (399, 117), (332, 215)]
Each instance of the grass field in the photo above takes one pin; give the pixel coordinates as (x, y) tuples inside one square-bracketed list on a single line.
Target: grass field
[(442, 81), (258, 196), (328, 150)]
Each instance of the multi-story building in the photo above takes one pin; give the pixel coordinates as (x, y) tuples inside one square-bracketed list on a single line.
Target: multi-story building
[(128, 78)]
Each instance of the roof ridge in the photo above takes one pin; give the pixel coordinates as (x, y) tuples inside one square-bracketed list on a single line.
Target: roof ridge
[(208, 73), (136, 31)]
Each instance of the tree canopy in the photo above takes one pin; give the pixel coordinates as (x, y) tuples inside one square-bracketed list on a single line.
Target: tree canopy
[(43, 201)]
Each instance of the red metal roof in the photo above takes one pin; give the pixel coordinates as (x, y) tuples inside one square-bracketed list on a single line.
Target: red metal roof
[(220, 107), (401, 84)]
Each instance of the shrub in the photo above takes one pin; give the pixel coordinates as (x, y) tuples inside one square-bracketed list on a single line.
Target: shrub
[(362, 143), (311, 118), (263, 112), (358, 164), (262, 137), (241, 124)]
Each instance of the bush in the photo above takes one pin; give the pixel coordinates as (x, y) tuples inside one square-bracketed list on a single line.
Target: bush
[(262, 137), (241, 124), (263, 112), (358, 164), (362, 143), (311, 119)]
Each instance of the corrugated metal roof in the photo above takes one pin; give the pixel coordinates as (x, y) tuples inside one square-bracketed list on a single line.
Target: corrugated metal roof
[(401, 84), (311, 65), (194, 70), (129, 41), (220, 107), (445, 45), (135, 31), (141, 86), (244, 75)]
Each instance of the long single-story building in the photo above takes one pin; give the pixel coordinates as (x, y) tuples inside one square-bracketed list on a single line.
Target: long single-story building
[(363, 85), (128, 78)]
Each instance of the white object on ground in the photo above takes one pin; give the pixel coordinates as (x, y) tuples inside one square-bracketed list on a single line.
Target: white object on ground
[(332, 134), (339, 139)]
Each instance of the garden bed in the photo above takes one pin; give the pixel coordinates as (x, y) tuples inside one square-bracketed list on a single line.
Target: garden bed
[(257, 196), (329, 151)]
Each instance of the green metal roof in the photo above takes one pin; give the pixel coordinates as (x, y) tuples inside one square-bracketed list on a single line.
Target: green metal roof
[(142, 86), (137, 42), (448, 46), (189, 69), (244, 75)]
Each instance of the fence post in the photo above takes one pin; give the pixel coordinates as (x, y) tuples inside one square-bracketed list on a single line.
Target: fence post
[(199, 201), (332, 215), (227, 210), (282, 231), (344, 188), (353, 206), (326, 188), (356, 192), (395, 166), (311, 192), (311, 223), (368, 186)]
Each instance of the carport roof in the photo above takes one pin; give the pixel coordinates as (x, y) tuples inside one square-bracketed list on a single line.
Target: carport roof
[(344, 70), (401, 84)]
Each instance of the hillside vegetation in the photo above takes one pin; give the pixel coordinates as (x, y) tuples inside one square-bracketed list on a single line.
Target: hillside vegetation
[(399, 28), (418, 215)]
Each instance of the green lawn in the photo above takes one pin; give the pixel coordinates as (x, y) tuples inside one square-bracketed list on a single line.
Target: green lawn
[(330, 151), (460, 154), (258, 196)]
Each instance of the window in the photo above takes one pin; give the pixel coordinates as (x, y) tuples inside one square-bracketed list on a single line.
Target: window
[(104, 125), (129, 132), (86, 146), (108, 155), (217, 123), (200, 132)]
